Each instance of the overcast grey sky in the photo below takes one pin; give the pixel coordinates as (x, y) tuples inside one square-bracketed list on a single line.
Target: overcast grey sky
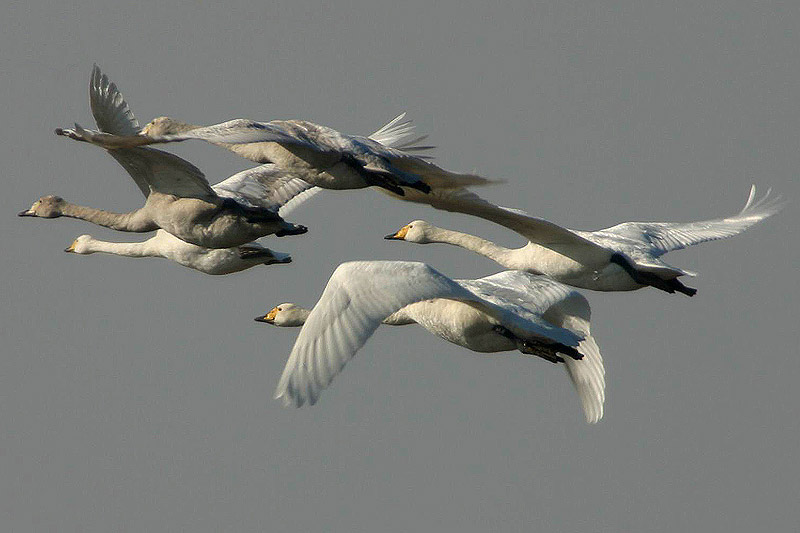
[(135, 395)]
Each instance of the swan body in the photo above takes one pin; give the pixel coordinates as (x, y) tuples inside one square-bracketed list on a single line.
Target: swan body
[(624, 257), (214, 261), (507, 311)]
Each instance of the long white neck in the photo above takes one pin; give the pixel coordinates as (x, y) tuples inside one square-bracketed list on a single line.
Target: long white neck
[(128, 249), (499, 254)]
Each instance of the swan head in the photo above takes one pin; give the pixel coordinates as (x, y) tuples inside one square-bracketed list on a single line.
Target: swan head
[(417, 231), (81, 245), (165, 126), (285, 315), (45, 207)]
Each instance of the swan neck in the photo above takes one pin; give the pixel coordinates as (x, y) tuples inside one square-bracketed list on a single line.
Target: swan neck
[(128, 249), (478, 245), (133, 221)]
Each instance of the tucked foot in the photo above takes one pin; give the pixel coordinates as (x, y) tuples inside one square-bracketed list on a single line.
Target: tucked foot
[(648, 278), (294, 229), (420, 186), (547, 351), (385, 184)]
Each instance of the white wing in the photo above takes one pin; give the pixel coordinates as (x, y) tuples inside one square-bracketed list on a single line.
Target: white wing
[(359, 295), (588, 374), (562, 306), (264, 186), (109, 108), (520, 301), (240, 131), (663, 237)]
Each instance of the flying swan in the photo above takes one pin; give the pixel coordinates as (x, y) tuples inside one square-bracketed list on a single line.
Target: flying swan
[(507, 311), (317, 154), (214, 261), (624, 257)]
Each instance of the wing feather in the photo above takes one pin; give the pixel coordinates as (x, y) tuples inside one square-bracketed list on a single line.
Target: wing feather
[(358, 296), (163, 172), (264, 186), (518, 301), (663, 237), (109, 109), (588, 374)]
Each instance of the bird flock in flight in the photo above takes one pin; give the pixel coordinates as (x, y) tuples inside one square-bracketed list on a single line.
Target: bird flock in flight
[(530, 307)]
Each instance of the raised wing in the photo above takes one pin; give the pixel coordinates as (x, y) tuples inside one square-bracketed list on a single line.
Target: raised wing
[(110, 110), (151, 169), (663, 237), (359, 295)]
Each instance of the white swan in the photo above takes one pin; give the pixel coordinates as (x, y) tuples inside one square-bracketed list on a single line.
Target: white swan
[(620, 258), (507, 311), (214, 261), (179, 199), (319, 155)]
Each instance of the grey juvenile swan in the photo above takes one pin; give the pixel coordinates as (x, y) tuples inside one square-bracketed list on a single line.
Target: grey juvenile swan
[(620, 258), (507, 311), (319, 155), (236, 211)]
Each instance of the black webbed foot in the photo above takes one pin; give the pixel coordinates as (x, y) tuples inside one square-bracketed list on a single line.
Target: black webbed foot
[(648, 278), (294, 229)]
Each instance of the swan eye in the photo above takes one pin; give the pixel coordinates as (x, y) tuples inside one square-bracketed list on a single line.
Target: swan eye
[(279, 309)]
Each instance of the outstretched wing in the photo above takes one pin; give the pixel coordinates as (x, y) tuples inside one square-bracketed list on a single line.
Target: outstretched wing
[(359, 295), (663, 237)]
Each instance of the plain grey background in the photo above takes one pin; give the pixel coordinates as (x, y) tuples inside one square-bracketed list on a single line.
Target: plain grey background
[(135, 395)]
